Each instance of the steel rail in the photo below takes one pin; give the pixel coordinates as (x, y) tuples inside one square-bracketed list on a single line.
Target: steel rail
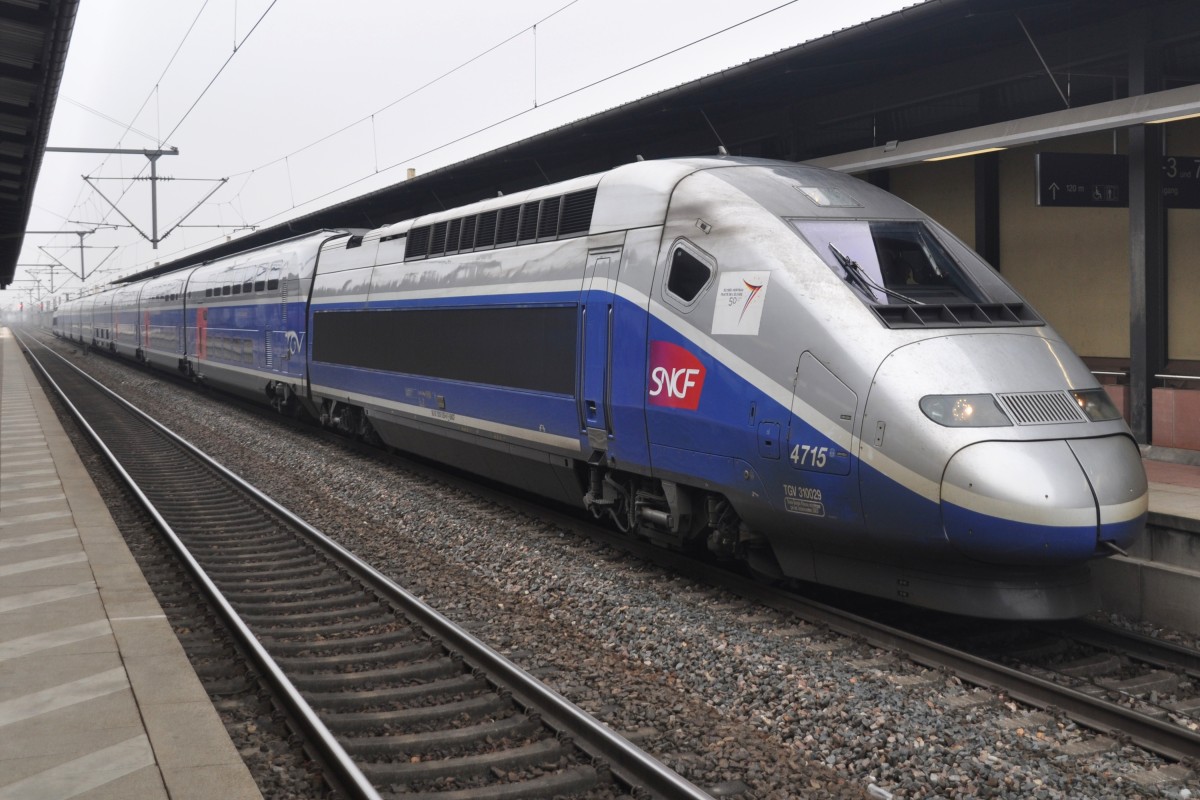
[(1164, 738), (347, 772), (1136, 645), (628, 762)]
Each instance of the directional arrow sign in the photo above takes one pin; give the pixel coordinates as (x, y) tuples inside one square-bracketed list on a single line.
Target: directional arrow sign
[(1082, 180)]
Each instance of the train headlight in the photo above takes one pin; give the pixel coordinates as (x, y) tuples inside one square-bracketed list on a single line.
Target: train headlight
[(1095, 403), (964, 410)]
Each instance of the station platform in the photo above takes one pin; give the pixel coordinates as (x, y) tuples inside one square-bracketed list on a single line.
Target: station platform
[(97, 699), (1174, 487)]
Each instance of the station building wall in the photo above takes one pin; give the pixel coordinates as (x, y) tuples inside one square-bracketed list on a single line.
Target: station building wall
[(1177, 405), (945, 190), (1073, 263), (1183, 255)]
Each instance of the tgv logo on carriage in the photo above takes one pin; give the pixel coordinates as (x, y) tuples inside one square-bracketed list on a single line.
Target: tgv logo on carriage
[(676, 377)]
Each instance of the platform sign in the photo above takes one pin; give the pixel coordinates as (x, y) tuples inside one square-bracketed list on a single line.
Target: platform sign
[(1181, 181), (1094, 180), (1091, 180)]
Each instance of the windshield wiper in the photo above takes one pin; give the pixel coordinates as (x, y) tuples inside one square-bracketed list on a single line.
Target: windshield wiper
[(858, 276), (853, 272)]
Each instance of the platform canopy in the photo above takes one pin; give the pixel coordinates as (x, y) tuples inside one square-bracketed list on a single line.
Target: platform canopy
[(34, 35)]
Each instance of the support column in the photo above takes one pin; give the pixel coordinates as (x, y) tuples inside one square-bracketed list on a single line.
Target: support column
[(1147, 251), (987, 207)]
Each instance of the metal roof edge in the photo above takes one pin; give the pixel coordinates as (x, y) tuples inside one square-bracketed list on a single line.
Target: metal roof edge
[(55, 58)]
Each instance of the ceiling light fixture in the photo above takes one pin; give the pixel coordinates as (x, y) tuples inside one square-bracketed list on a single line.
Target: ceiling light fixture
[(980, 151)]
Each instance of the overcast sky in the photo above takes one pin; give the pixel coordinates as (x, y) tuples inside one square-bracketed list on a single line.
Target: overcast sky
[(301, 106)]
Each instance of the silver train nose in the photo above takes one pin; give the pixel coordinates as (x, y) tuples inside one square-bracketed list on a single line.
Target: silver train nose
[(1049, 502)]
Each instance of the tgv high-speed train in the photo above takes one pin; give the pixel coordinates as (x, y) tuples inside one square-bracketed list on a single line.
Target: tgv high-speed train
[(786, 365)]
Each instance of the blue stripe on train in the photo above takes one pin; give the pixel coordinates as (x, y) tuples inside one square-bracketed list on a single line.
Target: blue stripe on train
[(993, 539)]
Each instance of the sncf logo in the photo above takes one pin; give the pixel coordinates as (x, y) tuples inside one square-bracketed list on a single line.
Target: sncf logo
[(676, 376)]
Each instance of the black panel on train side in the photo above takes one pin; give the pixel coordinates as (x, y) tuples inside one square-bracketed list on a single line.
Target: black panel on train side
[(521, 348)]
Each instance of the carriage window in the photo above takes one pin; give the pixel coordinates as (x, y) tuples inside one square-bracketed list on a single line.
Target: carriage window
[(437, 241), (260, 285), (529, 222), (485, 233), (548, 223), (416, 245), (687, 275), (272, 284), (506, 228), (467, 240)]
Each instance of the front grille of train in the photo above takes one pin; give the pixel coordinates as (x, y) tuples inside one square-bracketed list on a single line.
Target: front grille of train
[(1041, 408)]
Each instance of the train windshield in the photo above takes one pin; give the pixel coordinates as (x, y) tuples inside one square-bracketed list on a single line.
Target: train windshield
[(890, 262)]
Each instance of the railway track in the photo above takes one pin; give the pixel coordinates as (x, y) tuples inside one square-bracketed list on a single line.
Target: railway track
[(392, 697), (1106, 688), (1158, 679), (1120, 701), (1099, 676)]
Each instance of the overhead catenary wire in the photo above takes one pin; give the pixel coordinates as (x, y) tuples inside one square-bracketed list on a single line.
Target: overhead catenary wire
[(154, 91), (156, 88), (431, 82), (221, 69), (236, 200), (128, 127), (535, 107)]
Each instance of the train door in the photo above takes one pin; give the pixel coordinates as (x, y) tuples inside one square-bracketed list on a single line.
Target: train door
[(819, 444), (597, 308)]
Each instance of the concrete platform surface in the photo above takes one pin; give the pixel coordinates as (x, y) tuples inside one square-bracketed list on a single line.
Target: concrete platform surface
[(1174, 488), (97, 699)]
